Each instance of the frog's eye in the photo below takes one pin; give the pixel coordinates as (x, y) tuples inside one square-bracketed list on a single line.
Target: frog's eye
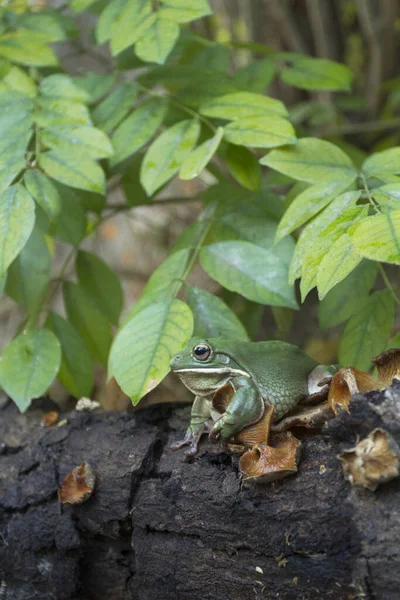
[(202, 351)]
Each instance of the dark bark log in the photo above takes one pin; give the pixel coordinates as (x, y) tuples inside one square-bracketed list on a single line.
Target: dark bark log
[(158, 527)]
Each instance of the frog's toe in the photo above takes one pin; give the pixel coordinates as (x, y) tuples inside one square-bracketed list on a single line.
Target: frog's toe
[(346, 382), (267, 463), (191, 439)]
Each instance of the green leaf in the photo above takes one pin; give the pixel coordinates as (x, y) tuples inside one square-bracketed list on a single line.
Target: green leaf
[(50, 26), (133, 133), (90, 323), (244, 167), (101, 283), (26, 48), (159, 332), (317, 74), (337, 264), (92, 142), (199, 158), (167, 153), (310, 202), (256, 76), (74, 170), (254, 272), (387, 194), (367, 332), (17, 217), (241, 105), (158, 41), (43, 191), (214, 57), (316, 226), (383, 163), (260, 132), (71, 222), (311, 160), (344, 299), (76, 370), (60, 111), (163, 282), (115, 106), (132, 22), (80, 5), (107, 18), (17, 79), (378, 237), (29, 274), (28, 365), (63, 86), (95, 85), (183, 11), (212, 317)]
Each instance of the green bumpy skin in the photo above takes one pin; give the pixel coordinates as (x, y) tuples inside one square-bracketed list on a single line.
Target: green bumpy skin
[(260, 373)]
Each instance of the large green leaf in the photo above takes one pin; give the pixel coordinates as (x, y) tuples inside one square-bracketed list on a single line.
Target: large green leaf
[(17, 217), (378, 237), (103, 285), (157, 41), (28, 366), (132, 22), (76, 370), (167, 153), (71, 221), (29, 274), (110, 112), (135, 131), (107, 18), (26, 48), (199, 158), (337, 264), (317, 74), (309, 203), (142, 350), (311, 160), (244, 167), (88, 140), (388, 194), (163, 282), (255, 76), (60, 85), (214, 56), (383, 163), (61, 111), (183, 11), (81, 5), (51, 26), (368, 331), (17, 79), (316, 226), (95, 84), (241, 105), (212, 317), (43, 191), (344, 299), (72, 169), (254, 272), (260, 132), (92, 326)]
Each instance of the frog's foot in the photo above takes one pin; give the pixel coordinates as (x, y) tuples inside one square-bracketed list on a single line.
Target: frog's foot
[(267, 463), (192, 440), (388, 365), (345, 383), (313, 417)]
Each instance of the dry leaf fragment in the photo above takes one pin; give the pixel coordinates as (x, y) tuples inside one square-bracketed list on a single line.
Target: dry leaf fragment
[(373, 461), (345, 383), (49, 418), (388, 365), (78, 485), (267, 463)]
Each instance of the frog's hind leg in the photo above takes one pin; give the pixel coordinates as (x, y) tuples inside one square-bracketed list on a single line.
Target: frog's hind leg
[(199, 425)]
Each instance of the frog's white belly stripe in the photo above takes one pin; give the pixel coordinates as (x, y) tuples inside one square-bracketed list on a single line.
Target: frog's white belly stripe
[(219, 371)]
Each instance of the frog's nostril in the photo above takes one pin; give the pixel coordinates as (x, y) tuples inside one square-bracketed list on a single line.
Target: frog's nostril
[(174, 361)]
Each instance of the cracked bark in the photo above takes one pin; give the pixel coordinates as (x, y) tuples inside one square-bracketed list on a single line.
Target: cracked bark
[(158, 527)]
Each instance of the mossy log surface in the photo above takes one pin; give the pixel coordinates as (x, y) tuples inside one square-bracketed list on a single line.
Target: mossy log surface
[(160, 528)]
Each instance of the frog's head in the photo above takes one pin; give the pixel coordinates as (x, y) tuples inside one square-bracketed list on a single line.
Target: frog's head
[(202, 367)]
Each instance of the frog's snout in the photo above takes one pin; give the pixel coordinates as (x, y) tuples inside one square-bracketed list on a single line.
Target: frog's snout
[(174, 362)]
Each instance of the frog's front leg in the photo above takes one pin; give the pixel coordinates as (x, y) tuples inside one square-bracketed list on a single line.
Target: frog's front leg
[(199, 418), (245, 407)]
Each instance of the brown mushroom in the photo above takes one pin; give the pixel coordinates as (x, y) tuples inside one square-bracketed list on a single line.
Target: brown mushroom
[(345, 383), (78, 485), (388, 365), (267, 463)]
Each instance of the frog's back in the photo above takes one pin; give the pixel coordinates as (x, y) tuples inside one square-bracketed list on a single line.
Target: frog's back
[(280, 370)]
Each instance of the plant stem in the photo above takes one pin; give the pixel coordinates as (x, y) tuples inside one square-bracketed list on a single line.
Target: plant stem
[(367, 191), (388, 284)]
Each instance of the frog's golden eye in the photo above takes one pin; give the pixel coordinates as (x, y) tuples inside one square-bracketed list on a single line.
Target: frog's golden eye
[(201, 351)]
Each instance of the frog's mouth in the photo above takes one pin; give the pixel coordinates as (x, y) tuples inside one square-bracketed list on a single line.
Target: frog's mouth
[(204, 381), (213, 370)]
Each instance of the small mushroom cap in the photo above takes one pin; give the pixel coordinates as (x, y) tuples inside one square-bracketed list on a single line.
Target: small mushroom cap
[(267, 463), (388, 365), (373, 461), (78, 485)]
